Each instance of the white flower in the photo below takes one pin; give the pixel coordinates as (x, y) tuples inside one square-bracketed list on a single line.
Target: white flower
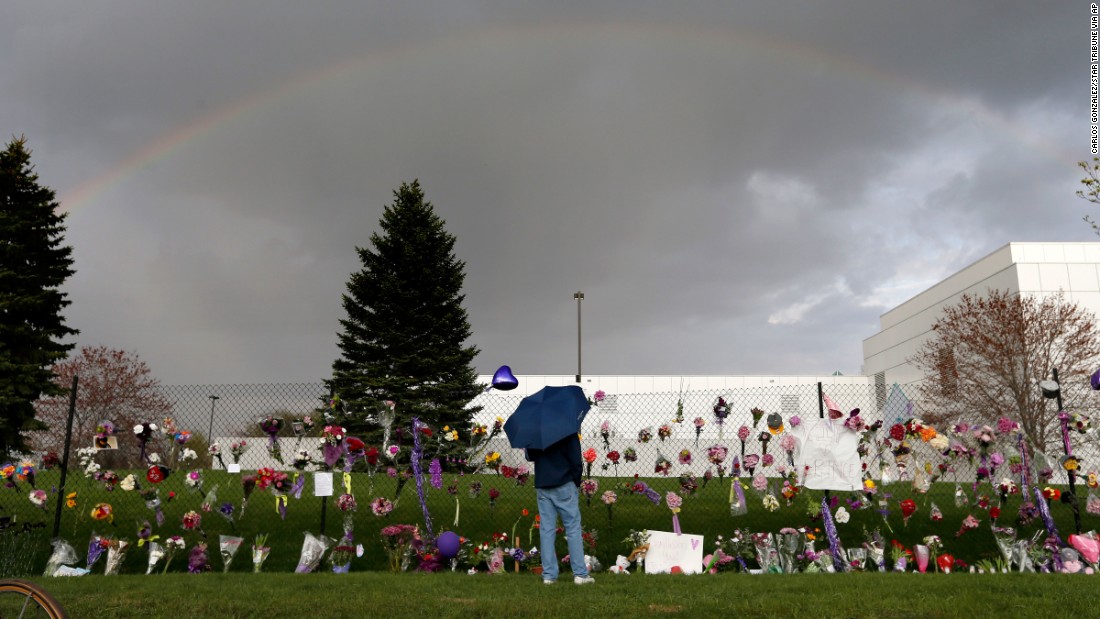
[(138, 429), (939, 443), (90, 469), (842, 515), (771, 503), (128, 483), (188, 455)]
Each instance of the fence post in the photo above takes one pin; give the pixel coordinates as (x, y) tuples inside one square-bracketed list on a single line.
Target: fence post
[(65, 460), (820, 401)]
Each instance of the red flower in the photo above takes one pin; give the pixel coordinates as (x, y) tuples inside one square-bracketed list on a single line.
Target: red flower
[(995, 512), (372, 456), (426, 431), (613, 456), (1052, 494), (494, 494), (589, 455), (897, 432), (354, 444)]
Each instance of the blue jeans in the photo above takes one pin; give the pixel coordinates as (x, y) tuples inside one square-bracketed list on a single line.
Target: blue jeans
[(554, 502)]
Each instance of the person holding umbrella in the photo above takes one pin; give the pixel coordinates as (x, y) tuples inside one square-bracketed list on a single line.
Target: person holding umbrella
[(546, 426)]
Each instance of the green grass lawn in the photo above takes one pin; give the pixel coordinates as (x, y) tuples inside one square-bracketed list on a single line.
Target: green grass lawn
[(377, 594), (706, 513)]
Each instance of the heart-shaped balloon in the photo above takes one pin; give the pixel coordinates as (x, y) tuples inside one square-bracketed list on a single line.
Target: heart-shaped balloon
[(1087, 546), (504, 380)]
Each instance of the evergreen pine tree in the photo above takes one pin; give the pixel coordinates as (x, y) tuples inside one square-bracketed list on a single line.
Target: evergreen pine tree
[(34, 264), (405, 331)]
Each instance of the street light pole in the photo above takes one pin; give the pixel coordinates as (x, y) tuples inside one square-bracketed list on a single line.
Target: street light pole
[(579, 296), (210, 428)]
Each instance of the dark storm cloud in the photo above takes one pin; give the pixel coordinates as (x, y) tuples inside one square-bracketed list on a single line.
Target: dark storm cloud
[(735, 189)]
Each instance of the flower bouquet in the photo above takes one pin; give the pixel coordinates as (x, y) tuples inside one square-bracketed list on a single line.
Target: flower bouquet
[(63, 554), (663, 465), (197, 561), (313, 549), (237, 449), (116, 554), (644, 435), (664, 432), (589, 456), (875, 547), (588, 488), (342, 554), (156, 553), (332, 445), (144, 432), (260, 550), (766, 554), (172, 545), (271, 426), (228, 545), (397, 540), (699, 422), (788, 543), (605, 434)]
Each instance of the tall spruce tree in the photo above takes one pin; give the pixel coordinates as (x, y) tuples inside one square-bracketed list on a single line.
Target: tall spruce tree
[(34, 263), (404, 337)]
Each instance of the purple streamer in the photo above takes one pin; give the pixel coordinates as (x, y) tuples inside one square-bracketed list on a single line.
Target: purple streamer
[(830, 532), (417, 455), (436, 471), (1048, 520), (1025, 474), (1063, 418), (676, 524), (299, 483)]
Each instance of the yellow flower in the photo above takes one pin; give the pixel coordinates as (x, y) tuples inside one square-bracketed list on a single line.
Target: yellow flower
[(70, 500), (492, 457), (927, 433), (868, 484), (1093, 482)]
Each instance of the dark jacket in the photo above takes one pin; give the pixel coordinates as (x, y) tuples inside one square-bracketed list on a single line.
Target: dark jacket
[(558, 463)]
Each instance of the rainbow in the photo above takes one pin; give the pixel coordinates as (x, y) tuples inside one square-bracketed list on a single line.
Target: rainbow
[(722, 41)]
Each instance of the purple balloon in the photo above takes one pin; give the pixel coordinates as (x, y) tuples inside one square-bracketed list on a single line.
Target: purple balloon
[(1095, 380), (504, 380), (448, 544)]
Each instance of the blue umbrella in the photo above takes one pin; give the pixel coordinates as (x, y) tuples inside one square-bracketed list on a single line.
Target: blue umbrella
[(547, 416)]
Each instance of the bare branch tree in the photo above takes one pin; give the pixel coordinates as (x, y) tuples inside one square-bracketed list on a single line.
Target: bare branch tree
[(115, 386), (988, 354)]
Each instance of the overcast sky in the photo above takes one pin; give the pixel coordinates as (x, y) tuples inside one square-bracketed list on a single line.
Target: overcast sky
[(737, 188)]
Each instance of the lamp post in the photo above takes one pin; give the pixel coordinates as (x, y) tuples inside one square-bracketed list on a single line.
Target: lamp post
[(210, 428), (579, 296)]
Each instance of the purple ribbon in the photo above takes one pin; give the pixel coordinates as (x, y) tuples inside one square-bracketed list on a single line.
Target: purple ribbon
[(299, 483), (1025, 474), (1048, 520), (417, 455), (676, 524), (1063, 418), (830, 533)]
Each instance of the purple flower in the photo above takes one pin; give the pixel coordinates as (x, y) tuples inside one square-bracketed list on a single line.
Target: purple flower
[(436, 471), (795, 421)]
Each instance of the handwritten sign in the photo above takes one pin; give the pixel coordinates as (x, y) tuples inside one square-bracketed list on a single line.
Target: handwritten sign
[(668, 550)]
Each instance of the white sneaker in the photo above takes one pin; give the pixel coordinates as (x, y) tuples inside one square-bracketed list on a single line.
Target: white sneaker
[(547, 581), (583, 580)]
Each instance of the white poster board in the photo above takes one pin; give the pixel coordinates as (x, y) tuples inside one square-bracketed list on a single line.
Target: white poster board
[(668, 550), (322, 483)]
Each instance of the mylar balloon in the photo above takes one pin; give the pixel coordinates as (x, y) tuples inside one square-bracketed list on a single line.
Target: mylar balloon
[(156, 474), (448, 544), (1095, 380), (504, 380)]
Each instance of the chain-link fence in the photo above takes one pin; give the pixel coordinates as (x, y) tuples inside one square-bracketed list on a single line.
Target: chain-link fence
[(687, 437)]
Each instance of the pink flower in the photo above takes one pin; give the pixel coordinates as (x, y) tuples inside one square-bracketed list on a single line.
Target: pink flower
[(674, 501), (1006, 425), (743, 433)]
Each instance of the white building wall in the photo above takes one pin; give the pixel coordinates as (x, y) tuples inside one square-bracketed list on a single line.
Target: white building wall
[(1035, 269)]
